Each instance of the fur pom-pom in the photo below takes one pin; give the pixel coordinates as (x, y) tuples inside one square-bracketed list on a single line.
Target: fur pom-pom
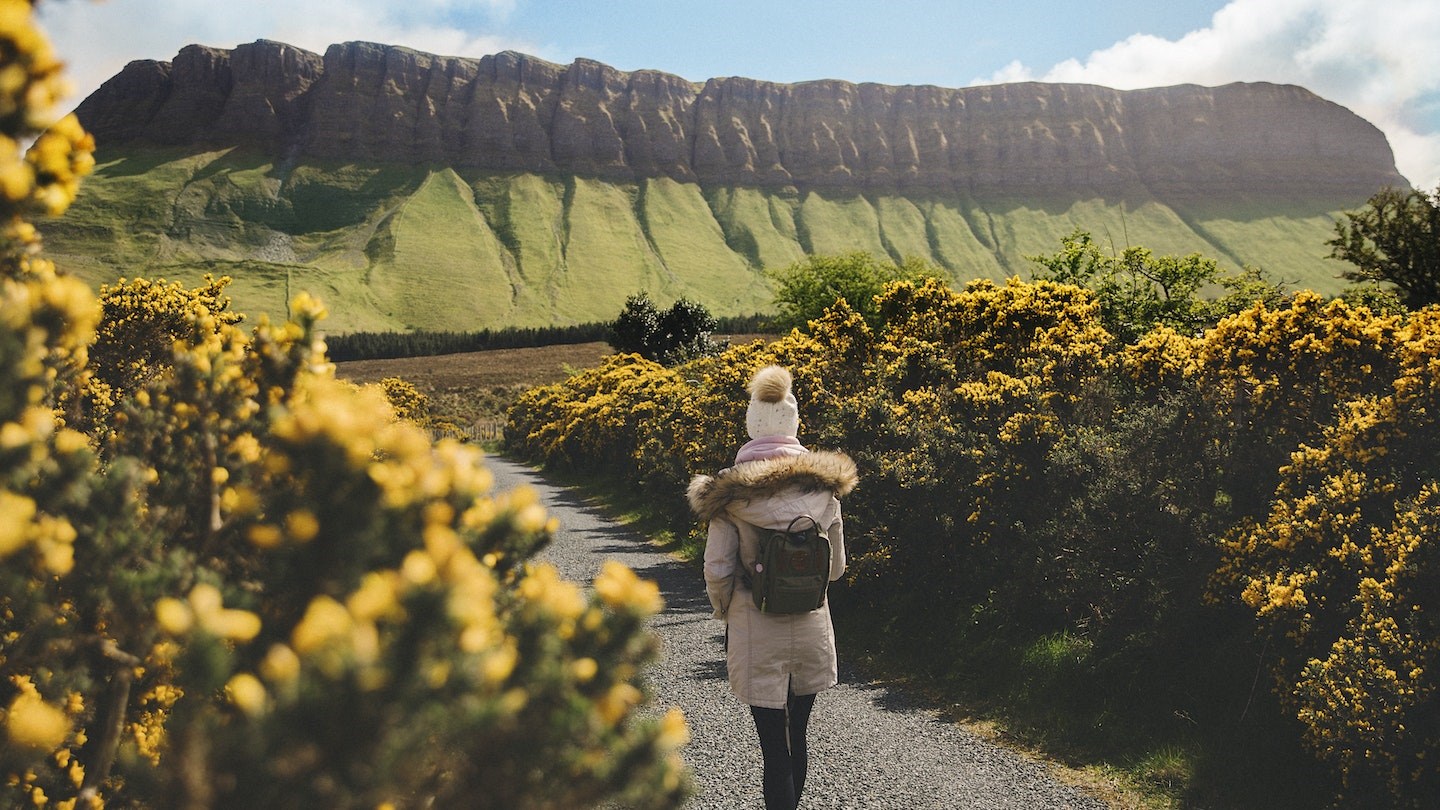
[(770, 384)]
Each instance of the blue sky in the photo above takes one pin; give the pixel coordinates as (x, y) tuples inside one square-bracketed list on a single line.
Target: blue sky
[(1380, 59)]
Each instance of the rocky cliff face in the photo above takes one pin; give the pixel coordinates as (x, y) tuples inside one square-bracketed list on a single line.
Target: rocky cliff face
[(510, 112)]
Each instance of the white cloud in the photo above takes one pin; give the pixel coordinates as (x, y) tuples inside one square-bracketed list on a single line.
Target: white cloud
[(97, 39), (1378, 59)]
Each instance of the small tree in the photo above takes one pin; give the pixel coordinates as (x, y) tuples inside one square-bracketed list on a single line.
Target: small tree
[(685, 333), (807, 288), (140, 320), (407, 400), (635, 329), (1395, 239), (1139, 291), (681, 333)]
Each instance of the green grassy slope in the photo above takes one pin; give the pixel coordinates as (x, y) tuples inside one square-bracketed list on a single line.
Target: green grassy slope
[(606, 256), (527, 213), (961, 237), (904, 230), (393, 247), (698, 264), (469, 278), (1286, 238), (758, 225)]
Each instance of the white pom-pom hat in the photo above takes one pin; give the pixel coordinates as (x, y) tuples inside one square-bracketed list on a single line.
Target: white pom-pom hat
[(772, 410)]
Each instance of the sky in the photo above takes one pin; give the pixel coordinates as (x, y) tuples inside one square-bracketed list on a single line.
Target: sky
[(1378, 59)]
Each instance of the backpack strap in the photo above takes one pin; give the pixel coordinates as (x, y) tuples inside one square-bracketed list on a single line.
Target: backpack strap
[(813, 524)]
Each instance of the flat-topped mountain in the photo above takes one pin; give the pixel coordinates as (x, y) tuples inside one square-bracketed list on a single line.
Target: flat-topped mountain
[(509, 112), (576, 185)]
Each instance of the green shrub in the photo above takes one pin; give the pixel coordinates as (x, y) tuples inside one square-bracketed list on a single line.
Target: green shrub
[(676, 335), (809, 287)]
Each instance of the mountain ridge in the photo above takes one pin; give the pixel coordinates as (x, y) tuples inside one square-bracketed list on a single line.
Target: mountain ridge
[(370, 102), (410, 190)]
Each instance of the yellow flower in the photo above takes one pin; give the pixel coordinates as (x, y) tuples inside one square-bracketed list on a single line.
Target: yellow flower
[(616, 703), (305, 306), (545, 589), (16, 178), (619, 587), (241, 500), (265, 535), (513, 701), (479, 515), (53, 539), (531, 519), (68, 442), (418, 568), (19, 511), (33, 723), (324, 620), (583, 669), (365, 641), (246, 693), (674, 732), (174, 616), (281, 665), (236, 625), (375, 599), (302, 525), (246, 447), (441, 542), (499, 663), (474, 638), (206, 609)]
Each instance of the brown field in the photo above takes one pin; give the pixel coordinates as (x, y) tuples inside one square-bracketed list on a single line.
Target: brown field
[(480, 370), (472, 390)]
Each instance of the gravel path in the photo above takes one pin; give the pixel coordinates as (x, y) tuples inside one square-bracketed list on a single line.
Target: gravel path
[(871, 747)]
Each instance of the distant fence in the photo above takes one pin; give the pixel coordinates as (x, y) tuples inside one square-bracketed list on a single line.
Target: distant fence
[(486, 430)]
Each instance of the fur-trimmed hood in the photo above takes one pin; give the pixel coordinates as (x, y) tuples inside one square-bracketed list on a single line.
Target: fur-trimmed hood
[(820, 470)]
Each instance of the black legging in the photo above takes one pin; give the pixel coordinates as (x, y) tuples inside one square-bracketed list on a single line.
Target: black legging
[(782, 745)]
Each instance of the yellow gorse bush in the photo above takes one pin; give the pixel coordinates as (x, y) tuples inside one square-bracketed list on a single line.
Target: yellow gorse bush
[(230, 580), (1344, 566), (1022, 467)]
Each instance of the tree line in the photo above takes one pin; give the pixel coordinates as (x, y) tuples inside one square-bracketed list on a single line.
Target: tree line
[(427, 343)]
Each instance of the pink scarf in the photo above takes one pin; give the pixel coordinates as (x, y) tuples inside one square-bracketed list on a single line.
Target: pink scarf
[(769, 447)]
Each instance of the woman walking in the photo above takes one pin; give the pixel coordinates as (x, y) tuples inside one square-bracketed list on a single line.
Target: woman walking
[(777, 662)]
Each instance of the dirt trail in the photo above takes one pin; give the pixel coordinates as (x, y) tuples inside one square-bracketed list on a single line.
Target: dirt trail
[(871, 747)]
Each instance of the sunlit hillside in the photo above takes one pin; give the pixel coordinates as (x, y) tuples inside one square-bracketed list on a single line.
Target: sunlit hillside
[(396, 247)]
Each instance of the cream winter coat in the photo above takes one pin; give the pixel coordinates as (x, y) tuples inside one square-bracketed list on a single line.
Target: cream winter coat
[(769, 655)]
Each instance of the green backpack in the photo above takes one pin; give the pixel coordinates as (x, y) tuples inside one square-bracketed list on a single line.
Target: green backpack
[(792, 568)]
